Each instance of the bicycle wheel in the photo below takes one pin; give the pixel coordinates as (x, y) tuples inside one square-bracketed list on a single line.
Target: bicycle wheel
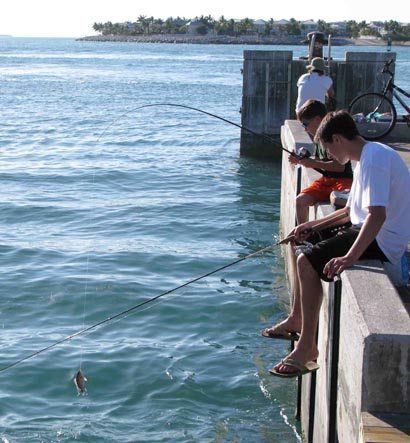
[(374, 115)]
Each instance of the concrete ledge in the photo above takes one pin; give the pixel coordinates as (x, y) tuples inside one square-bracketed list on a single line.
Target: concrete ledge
[(382, 427), (293, 134), (400, 133), (374, 348), (383, 334)]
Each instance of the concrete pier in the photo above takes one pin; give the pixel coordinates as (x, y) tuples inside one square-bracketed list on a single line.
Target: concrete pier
[(266, 99), (269, 92), (361, 392)]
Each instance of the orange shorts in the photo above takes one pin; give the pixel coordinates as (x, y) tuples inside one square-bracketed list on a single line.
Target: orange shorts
[(323, 186)]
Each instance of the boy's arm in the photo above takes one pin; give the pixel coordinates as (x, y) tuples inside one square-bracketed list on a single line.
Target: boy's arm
[(315, 163), (302, 231), (371, 226)]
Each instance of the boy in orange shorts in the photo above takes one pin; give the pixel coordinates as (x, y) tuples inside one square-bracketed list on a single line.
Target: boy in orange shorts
[(335, 177)]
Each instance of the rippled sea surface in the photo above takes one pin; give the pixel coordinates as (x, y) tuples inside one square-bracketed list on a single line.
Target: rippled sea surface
[(103, 206)]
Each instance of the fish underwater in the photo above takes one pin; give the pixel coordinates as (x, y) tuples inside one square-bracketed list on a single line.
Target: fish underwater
[(79, 381)]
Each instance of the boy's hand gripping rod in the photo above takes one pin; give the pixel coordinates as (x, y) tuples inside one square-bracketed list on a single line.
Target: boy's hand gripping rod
[(320, 225)]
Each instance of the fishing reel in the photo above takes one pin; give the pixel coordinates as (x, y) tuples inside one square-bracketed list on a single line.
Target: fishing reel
[(302, 248), (303, 152)]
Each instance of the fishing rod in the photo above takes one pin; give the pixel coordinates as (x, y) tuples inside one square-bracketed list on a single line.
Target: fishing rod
[(175, 105), (318, 226), (150, 300), (133, 308)]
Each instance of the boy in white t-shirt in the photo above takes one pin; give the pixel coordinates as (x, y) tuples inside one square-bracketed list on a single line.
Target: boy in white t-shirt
[(379, 210)]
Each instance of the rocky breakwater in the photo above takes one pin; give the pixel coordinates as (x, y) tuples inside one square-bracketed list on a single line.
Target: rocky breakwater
[(195, 39), (231, 40)]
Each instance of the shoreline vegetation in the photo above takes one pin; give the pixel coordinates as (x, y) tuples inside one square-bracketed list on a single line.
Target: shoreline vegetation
[(207, 30), (232, 40)]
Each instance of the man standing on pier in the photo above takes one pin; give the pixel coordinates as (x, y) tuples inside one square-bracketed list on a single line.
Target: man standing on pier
[(379, 210)]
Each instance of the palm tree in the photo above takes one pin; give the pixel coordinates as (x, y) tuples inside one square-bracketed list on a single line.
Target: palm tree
[(352, 28), (221, 25), (145, 22), (269, 27), (245, 26), (98, 27), (324, 27), (157, 26), (108, 28)]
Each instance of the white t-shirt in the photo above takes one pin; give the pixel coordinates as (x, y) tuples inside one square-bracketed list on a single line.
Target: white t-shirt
[(312, 86), (381, 178)]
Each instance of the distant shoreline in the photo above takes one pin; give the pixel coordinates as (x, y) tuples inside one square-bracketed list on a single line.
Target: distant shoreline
[(228, 40)]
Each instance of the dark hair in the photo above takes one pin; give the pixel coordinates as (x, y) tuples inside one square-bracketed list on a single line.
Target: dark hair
[(338, 122), (311, 109)]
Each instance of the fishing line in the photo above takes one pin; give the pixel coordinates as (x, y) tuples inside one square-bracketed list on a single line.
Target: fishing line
[(133, 308), (175, 105), (84, 306), (270, 139)]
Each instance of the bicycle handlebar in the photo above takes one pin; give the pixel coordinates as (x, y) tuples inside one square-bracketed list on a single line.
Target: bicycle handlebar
[(386, 67)]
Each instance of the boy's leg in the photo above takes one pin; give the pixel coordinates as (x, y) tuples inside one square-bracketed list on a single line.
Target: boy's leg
[(311, 300), (303, 201), (293, 323), (310, 272)]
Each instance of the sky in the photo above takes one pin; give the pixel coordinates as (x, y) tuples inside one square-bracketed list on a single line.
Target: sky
[(74, 18)]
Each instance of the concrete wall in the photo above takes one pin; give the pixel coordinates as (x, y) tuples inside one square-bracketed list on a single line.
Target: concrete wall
[(365, 349), (294, 135), (265, 99)]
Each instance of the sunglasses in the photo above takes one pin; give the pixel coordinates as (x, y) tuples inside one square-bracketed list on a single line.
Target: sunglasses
[(306, 124)]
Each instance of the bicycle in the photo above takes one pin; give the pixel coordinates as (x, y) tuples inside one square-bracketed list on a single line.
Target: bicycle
[(374, 112)]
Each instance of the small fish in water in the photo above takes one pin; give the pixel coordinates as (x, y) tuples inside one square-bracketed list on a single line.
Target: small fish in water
[(79, 381)]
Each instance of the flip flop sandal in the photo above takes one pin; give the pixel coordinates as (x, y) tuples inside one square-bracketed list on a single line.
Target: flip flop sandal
[(281, 334), (302, 369)]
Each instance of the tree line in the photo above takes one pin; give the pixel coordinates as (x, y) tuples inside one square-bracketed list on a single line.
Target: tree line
[(388, 30)]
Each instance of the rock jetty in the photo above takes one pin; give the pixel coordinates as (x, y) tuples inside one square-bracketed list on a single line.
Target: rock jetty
[(220, 39)]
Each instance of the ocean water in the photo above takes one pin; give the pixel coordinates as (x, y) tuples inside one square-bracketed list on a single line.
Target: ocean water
[(103, 206)]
